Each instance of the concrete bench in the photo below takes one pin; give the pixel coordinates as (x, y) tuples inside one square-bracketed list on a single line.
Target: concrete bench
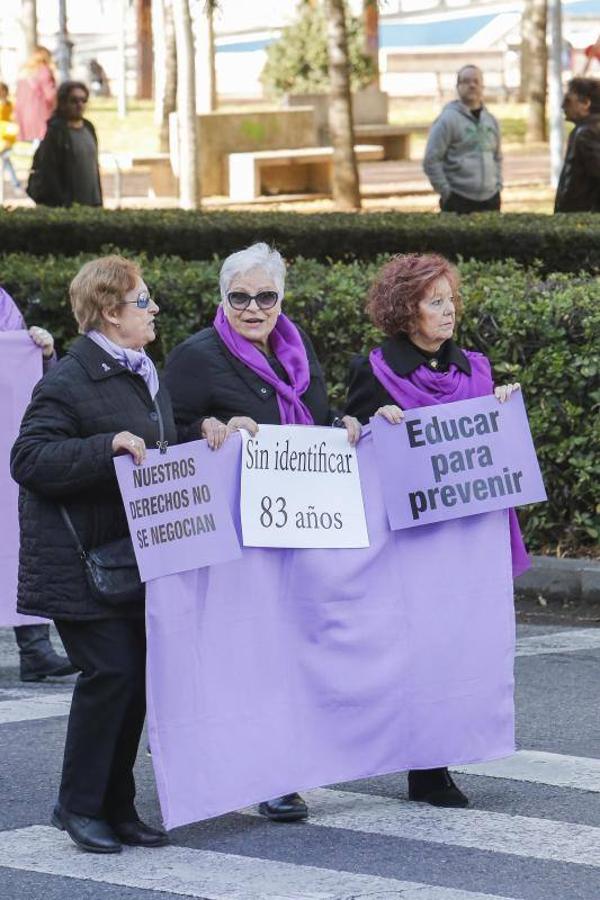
[(163, 182), (395, 139), (305, 170)]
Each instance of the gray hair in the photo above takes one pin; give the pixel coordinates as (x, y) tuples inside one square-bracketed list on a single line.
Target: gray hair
[(257, 256)]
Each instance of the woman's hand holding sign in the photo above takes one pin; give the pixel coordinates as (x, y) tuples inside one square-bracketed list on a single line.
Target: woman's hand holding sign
[(214, 431), (236, 423), (505, 391), (391, 413), (126, 442)]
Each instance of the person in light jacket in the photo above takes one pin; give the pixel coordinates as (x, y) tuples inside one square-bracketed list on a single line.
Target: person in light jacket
[(463, 158)]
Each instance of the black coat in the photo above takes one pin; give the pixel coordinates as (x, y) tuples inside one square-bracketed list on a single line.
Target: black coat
[(63, 454), (579, 185), (366, 394), (205, 379), (51, 177)]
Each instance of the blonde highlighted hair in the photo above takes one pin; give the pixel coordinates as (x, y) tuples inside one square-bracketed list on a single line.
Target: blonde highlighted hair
[(100, 286)]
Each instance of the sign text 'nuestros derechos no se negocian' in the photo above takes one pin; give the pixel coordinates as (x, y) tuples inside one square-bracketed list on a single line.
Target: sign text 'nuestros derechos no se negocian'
[(457, 459), (301, 488), (177, 514)]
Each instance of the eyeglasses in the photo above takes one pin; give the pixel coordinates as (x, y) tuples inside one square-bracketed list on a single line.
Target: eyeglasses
[(77, 98), (242, 300), (142, 300)]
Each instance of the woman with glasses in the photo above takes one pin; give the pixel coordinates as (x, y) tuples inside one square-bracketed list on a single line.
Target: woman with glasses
[(415, 301), (253, 366), (103, 398)]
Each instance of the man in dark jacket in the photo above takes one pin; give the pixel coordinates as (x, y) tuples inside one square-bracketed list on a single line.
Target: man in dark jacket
[(65, 166), (579, 185)]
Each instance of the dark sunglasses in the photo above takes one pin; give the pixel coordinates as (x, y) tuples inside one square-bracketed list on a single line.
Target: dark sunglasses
[(241, 300), (142, 301)]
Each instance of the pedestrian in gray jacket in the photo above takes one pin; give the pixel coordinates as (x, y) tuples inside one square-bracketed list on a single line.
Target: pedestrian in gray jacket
[(463, 159)]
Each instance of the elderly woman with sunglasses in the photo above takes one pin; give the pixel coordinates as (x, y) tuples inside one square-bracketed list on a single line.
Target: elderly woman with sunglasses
[(101, 399), (252, 367)]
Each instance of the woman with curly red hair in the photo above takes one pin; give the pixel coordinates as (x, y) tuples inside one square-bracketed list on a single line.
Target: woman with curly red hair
[(415, 301)]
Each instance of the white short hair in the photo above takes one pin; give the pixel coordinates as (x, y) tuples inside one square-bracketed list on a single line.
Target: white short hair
[(257, 256)]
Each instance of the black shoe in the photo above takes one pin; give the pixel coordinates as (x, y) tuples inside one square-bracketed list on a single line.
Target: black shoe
[(93, 835), (435, 786), (38, 658), (290, 808), (138, 834)]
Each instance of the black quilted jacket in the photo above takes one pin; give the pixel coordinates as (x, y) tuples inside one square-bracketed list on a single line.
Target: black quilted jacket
[(205, 379), (63, 454)]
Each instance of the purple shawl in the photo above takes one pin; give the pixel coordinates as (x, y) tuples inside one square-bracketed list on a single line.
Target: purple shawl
[(425, 387), (288, 347)]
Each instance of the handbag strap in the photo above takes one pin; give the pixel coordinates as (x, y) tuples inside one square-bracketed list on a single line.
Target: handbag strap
[(71, 528), (161, 443), (162, 446)]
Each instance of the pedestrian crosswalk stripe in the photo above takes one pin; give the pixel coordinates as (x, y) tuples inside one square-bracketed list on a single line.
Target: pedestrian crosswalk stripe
[(207, 874), (534, 838), (579, 772), (559, 642), (44, 706)]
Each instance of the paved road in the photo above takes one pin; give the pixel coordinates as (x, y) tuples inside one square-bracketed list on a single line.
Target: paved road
[(532, 832)]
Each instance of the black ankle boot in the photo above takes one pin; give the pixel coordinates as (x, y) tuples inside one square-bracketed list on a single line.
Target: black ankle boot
[(289, 808), (435, 786), (38, 658)]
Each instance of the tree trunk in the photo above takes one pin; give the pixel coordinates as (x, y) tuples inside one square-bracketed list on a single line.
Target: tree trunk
[(189, 162), (165, 69), (144, 49), (346, 192), (371, 28), (205, 58), (536, 63), (29, 25), (63, 52)]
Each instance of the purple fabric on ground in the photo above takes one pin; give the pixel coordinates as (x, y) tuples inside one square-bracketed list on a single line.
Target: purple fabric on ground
[(20, 369), (290, 669)]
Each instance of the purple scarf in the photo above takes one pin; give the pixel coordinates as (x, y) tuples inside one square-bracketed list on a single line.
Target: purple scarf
[(424, 387), (135, 360), (288, 347), (10, 317)]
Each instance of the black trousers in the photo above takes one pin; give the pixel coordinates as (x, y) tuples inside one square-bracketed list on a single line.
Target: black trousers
[(462, 205), (106, 717)]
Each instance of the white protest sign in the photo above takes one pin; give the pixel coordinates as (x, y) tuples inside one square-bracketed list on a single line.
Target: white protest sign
[(301, 488)]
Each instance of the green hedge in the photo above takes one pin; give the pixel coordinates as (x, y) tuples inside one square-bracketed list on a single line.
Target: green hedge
[(541, 330), (564, 243)]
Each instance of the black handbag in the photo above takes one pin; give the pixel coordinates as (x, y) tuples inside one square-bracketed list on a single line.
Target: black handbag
[(111, 570)]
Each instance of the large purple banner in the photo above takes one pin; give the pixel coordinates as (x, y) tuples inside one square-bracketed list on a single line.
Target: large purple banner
[(20, 369), (290, 669), (457, 459)]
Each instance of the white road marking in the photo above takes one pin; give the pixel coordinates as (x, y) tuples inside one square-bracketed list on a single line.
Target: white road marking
[(559, 642), (44, 706), (476, 829), (207, 874), (580, 773)]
